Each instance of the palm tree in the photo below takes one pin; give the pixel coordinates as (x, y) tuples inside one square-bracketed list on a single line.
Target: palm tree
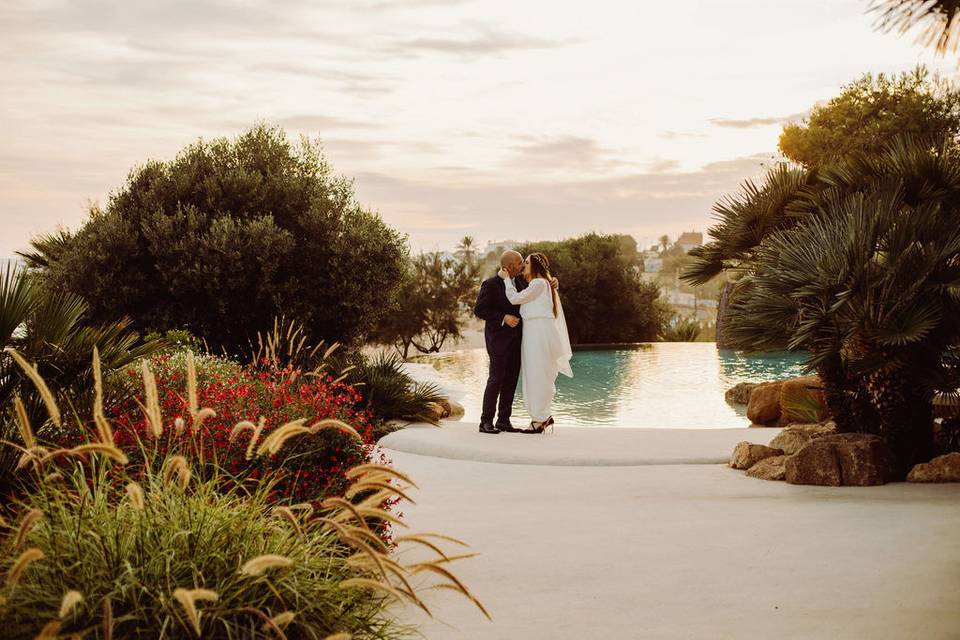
[(46, 249), (49, 329), (870, 289), (466, 250), (938, 20), (664, 242)]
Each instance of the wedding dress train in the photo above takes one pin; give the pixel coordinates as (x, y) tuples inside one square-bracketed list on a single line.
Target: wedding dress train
[(545, 347)]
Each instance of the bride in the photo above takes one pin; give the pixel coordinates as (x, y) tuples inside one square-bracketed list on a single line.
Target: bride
[(545, 347)]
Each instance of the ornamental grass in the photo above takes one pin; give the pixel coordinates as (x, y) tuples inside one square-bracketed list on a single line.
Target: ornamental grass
[(96, 551)]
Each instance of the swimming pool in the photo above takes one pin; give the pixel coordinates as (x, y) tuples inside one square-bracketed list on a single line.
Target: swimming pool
[(677, 385)]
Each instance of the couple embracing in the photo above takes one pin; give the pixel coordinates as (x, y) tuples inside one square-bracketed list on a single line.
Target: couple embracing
[(526, 336)]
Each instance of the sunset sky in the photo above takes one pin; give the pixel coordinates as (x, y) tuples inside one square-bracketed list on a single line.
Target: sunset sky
[(522, 119)]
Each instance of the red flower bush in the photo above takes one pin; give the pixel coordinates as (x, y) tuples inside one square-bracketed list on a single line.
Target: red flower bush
[(308, 468)]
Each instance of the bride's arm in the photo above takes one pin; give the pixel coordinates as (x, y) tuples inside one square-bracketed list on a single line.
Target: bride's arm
[(534, 290)]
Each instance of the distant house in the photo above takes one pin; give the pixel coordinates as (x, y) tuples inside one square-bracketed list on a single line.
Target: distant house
[(690, 240), (652, 264), (500, 247)]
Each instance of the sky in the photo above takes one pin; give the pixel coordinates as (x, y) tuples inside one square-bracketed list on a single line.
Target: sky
[(498, 119)]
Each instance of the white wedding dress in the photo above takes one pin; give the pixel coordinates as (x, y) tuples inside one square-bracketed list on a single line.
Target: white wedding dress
[(545, 347)]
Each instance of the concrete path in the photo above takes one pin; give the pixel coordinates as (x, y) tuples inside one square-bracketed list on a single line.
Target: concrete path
[(575, 446), (684, 551)]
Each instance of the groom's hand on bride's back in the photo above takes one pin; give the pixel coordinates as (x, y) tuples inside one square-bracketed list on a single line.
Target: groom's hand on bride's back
[(554, 283)]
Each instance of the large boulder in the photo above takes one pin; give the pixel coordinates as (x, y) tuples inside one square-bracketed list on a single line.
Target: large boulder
[(772, 468), (795, 436), (764, 405), (740, 393), (802, 399), (746, 454), (842, 459), (434, 412), (945, 468), (451, 408)]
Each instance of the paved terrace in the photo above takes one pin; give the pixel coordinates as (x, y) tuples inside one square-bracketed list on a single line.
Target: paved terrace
[(614, 533)]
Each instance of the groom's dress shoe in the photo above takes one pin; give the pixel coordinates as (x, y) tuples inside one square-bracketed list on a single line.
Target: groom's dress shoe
[(506, 426), (487, 427)]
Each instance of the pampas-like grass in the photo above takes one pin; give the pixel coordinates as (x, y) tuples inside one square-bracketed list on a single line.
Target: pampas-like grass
[(188, 600), (135, 493), (190, 527), (20, 565), (23, 423), (260, 564), (151, 406), (26, 526), (70, 600), (31, 370)]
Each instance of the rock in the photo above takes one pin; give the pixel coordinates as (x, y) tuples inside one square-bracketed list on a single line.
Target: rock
[(772, 468), (740, 394), (445, 403), (456, 409), (802, 399), (794, 436), (842, 459), (435, 412), (746, 454), (764, 405), (945, 468)]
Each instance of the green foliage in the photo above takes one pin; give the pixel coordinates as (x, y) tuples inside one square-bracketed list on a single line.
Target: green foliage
[(177, 341), (432, 298), (228, 235), (52, 330), (388, 391), (96, 541), (101, 548), (870, 112), (869, 285), (681, 330), (604, 298), (937, 20)]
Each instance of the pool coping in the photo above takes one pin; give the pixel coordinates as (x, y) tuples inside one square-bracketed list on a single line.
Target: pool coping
[(575, 446)]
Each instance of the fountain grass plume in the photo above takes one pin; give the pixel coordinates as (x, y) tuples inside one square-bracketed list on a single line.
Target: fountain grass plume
[(158, 551)]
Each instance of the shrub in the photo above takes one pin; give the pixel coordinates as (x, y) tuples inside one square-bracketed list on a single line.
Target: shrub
[(98, 552), (386, 391), (225, 237), (51, 330), (681, 330), (314, 465), (603, 295), (432, 297)]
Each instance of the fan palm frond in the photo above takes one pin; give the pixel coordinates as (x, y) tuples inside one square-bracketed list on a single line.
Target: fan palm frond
[(938, 21)]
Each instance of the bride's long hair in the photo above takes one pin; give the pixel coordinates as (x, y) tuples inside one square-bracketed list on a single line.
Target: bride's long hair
[(540, 268)]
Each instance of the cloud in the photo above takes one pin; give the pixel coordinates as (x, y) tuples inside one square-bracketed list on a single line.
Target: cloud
[(315, 122), (436, 208), (663, 165), (350, 82), (485, 40), (756, 122), (564, 152), (676, 135)]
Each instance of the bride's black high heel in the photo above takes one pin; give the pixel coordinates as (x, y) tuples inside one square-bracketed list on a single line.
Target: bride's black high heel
[(540, 427)]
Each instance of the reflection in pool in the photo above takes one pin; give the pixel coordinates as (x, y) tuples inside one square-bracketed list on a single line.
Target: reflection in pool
[(674, 385)]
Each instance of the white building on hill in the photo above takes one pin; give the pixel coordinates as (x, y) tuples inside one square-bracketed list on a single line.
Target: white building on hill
[(690, 240)]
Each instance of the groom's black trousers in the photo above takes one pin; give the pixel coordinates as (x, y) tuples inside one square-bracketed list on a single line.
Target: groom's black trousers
[(502, 380), (503, 348)]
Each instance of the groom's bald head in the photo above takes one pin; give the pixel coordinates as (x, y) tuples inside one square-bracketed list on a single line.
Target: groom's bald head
[(512, 262)]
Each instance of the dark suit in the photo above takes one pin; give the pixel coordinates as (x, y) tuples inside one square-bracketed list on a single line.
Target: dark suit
[(503, 347)]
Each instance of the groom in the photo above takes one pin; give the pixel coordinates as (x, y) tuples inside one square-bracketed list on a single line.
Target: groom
[(502, 333)]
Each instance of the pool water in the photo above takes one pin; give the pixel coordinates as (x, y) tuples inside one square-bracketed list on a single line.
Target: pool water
[(676, 385)]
